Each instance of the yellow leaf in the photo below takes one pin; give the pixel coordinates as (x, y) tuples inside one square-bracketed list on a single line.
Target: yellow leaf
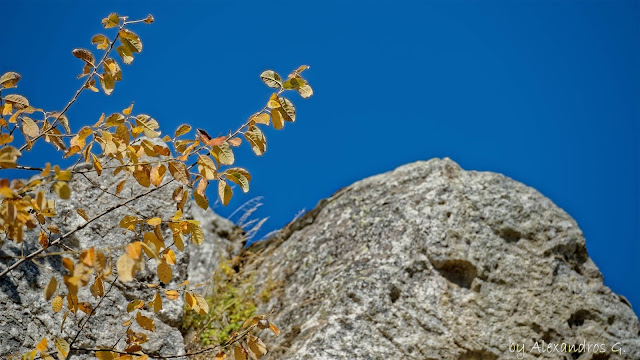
[(120, 186), (125, 53), (96, 164), (68, 264), (188, 298), (128, 110), (157, 174), (301, 69), (135, 305), (177, 240), (62, 189), (157, 303), (221, 356), (149, 125), (271, 79), (197, 236), (162, 150), (125, 266), (134, 250), (8, 157), (101, 41), (224, 192), (84, 55), (294, 82), (239, 353), (164, 272), (179, 172), (201, 200), (273, 102), (17, 102), (172, 294), (130, 40), (262, 118), (223, 154), (29, 127), (202, 304), (129, 222), (42, 345), (63, 348), (277, 118), (256, 138), (305, 91), (56, 304), (88, 256), (182, 129), (106, 355), (289, 109), (97, 289), (62, 175), (274, 328), (256, 346), (154, 221), (206, 167), (111, 21), (169, 256), (108, 83), (151, 238), (113, 120), (142, 174), (5, 139), (30, 355), (145, 322), (239, 176), (85, 307), (9, 79), (50, 289), (149, 19), (82, 213), (112, 68), (43, 239)]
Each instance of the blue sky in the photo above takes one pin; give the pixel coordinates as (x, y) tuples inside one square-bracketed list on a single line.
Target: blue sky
[(545, 92)]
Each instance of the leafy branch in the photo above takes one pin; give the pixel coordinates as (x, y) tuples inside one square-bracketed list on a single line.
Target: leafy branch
[(130, 145)]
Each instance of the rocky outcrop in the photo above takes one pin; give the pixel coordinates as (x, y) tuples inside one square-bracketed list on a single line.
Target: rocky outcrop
[(425, 262), (433, 262), (26, 317)]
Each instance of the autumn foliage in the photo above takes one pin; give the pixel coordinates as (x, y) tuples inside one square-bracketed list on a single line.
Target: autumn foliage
[(188, 161)]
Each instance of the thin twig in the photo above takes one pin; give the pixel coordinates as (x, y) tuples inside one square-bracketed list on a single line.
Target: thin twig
[(93, 311), (84, 86), (71, 232)]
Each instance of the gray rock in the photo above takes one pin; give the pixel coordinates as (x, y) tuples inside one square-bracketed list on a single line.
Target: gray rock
[(433, 262), (27, 317), (426, 262), (221, 244)]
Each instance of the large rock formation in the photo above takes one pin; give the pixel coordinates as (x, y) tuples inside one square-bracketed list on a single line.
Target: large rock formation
[(433, 262), (425, 262), (26, 317)]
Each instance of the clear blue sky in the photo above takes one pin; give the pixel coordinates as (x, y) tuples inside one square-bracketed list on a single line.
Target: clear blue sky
[(545, 92)]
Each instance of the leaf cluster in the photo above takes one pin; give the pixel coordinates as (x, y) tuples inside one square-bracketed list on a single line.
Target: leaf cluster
[(132, 146)]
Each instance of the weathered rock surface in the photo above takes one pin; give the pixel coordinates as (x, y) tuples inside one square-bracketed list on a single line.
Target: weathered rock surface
[(433, 262), (26, 317), (425, 262)]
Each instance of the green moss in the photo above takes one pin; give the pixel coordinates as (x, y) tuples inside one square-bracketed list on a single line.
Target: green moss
[(230, 304)]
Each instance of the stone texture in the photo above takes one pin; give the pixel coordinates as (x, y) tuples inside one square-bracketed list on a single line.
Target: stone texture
[(26, 317), (433, 262), (223, 242), (425, 262)]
